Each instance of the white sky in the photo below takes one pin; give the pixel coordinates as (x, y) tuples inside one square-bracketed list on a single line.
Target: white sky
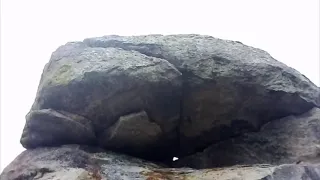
[(31, 30)]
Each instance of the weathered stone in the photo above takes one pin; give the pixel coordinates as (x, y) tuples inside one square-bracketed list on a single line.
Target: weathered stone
[(228, 87), (291, 139), (75, 162), (197, 89), (47, 127), (103, 84), (143, 134)]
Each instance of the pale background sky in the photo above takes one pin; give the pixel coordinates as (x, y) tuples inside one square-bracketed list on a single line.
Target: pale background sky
[(31, 30)]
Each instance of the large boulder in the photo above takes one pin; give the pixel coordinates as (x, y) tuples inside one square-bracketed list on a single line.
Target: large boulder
[(191, 90), (74, 162), (293, 139), (105, 84), (228, 87)]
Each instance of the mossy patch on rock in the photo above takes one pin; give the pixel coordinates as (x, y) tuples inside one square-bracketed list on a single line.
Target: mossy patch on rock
[(62, 76)]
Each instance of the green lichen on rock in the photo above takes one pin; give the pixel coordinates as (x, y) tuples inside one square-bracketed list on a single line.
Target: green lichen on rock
[(62, 76)]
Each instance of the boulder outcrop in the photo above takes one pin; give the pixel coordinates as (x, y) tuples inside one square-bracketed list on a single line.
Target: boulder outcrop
[(121, 107), (197, 89)]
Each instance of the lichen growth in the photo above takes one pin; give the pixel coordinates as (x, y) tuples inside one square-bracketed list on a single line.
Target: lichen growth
[(61, 76)]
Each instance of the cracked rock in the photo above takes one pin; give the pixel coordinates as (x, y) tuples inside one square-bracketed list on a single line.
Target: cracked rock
[(198, 89), (103, 84), (293, 139), (228, 88)]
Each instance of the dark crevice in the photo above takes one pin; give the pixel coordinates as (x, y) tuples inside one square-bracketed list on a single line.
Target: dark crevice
[(181, 118)]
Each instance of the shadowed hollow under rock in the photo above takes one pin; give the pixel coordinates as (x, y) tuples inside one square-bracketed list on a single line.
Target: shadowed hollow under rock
[(75, 162), (290, 140)]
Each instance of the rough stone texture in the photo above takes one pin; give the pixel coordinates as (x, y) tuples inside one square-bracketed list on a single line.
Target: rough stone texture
[(292, 139), (197, 89), (228, 87), (138, 127), (74, 162), (47, 127), (103, 84)]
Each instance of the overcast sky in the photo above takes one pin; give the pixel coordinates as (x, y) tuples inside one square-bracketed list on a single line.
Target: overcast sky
[(31, 30)]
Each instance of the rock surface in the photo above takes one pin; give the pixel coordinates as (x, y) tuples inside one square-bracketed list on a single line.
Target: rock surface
[(141, 131), (194, 90), (227, 110), (292, 139), (103, 84), (74, 162), (47, 127), (228, 88)]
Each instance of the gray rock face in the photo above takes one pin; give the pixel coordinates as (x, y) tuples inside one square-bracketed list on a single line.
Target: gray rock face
[(138, 127), (228, 88), (288, 140), (75, 162), (103, 84), (47, 127), (194, 90)]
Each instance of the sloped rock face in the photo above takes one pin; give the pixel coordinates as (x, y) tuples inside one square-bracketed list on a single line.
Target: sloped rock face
[(194, 90), (293, 139), (75, 162)]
